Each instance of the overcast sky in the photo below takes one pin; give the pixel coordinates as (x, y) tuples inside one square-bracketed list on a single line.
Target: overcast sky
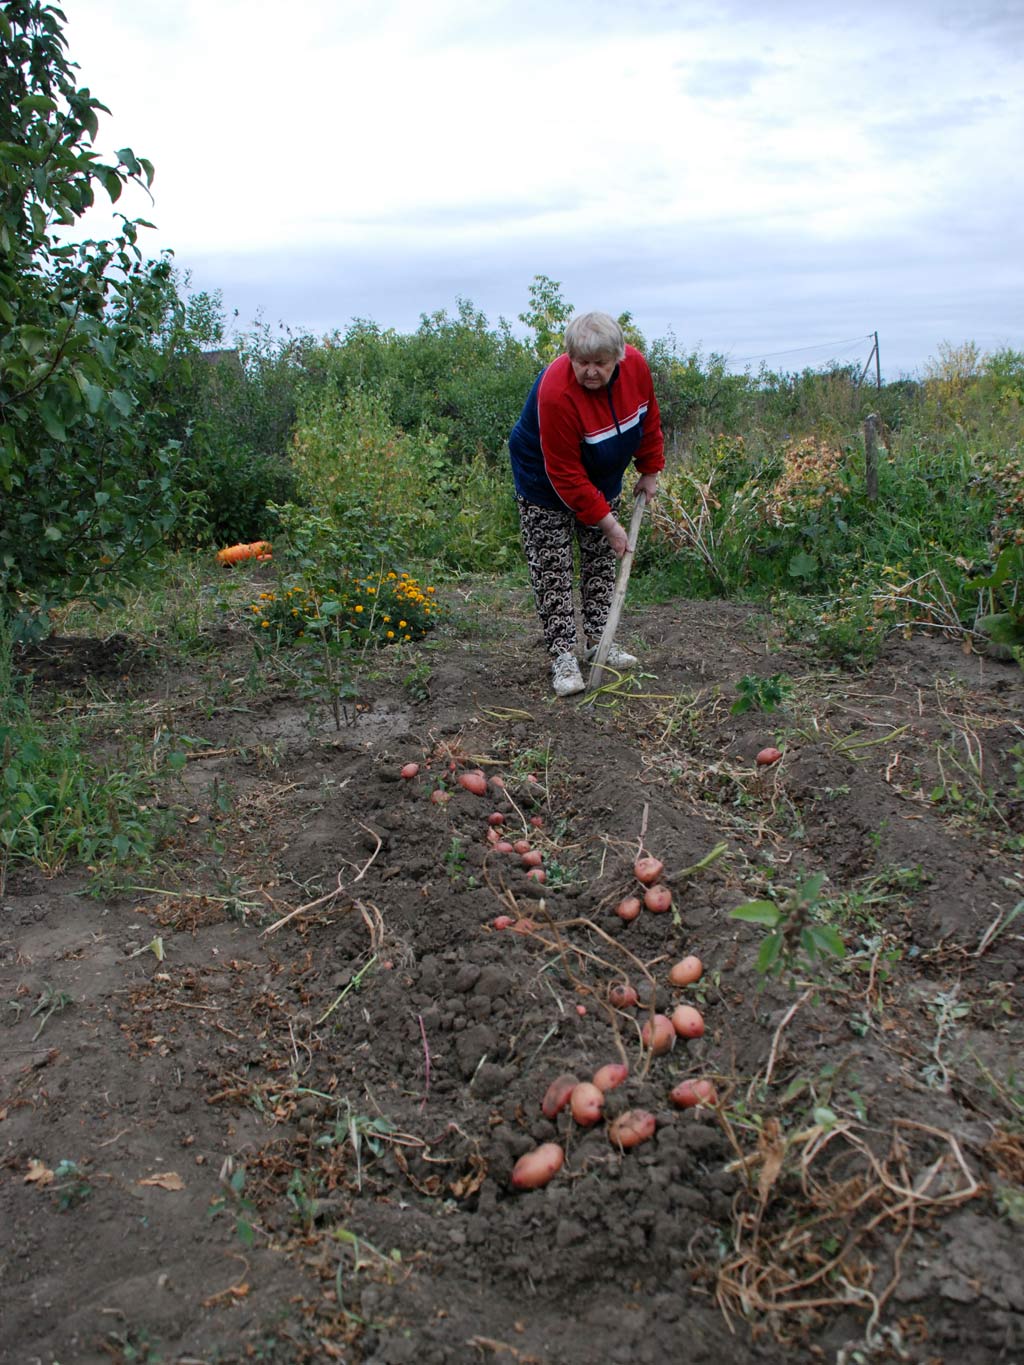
[(752, 177)]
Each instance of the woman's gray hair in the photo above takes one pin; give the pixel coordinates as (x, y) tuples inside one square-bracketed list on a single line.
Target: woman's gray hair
[(592, 336)]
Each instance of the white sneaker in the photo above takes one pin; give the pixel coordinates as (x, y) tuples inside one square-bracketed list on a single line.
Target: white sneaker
[(617, 658), (566, 676)]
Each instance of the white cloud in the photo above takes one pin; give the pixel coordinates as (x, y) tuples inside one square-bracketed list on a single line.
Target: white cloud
[(732, 142)]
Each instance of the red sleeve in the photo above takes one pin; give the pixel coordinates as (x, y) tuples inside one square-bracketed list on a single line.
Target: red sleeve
[(561, 432), (650, 458)]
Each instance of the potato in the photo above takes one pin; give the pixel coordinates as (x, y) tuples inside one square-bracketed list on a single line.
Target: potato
[(522, 845), (536, 1168), (622, 995), (537, 874), (686, 972), (503, 846), (586, 1103), (628, 908), (688, 1094), (474, 782), (631, 1128), (532, 858), (503, 922), (768, 756), (495, 818), (440, 797), (409, 770), (688, 1022), (658, 1034), (556, 1097), (658, 898), (648, 870), (610, 1076)]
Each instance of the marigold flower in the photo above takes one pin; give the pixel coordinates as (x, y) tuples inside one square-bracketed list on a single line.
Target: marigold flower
[(359, 607)]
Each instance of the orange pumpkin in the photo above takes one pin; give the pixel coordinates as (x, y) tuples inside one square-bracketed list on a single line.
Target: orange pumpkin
[(235, 554)]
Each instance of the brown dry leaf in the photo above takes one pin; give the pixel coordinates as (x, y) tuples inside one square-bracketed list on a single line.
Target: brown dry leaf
[(38, 1174), (773, 1149), (165, 1180), (470, 1182)]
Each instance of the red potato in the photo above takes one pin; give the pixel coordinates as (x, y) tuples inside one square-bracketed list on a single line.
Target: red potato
[(628, 908), (658, 898), (768, 756), (631, 1128), (503, 922), (537, 821), (522, 845), (440, 797), (495, 818), (503, 846), (622, 995), (648, 870), (523, 925), (610, 1076), (498, 783), (474, 782), (537, 874), (409, 770), (688, 1094), (493, 836), (686, 972), (532, 858), (557, 1095), (586, 1103), (658, 1034), (536, 1168), (688, 1022), (581, 1010)]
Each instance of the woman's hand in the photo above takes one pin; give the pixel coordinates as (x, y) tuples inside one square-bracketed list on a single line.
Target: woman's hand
[(614, 534), (648, 484)]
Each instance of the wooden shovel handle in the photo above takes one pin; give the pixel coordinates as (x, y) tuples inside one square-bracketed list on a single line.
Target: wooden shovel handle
[(619, 596)]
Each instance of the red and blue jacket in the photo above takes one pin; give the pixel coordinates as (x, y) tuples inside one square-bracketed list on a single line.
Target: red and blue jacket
[(572, 446)]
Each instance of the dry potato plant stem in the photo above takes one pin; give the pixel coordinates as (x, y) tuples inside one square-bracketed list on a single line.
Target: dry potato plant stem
[(765, 1273), (331, 895)]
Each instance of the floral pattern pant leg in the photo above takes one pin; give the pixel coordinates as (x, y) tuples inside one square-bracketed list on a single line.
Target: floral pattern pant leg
[(548, 536)]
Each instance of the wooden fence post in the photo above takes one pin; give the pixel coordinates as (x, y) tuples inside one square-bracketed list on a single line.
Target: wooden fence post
[(871, 456)]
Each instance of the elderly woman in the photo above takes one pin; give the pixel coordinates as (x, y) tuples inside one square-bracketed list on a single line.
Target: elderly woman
[(590, 413)]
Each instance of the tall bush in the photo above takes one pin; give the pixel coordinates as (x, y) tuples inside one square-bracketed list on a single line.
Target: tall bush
[(87, 473)]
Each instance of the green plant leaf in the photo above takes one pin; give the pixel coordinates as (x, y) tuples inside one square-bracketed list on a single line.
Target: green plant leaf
[(757, 912)]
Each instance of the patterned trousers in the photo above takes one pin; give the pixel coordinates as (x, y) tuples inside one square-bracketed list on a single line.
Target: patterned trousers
[(548, 536)]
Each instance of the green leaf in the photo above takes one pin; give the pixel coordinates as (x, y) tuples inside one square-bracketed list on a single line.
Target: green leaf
[(53, 424), (1004, 627), (810, 889), (757, 912), (36, 104), (802, 565), (771, 950), (127, 158), (53, 533), (828, 940), (33, 339)]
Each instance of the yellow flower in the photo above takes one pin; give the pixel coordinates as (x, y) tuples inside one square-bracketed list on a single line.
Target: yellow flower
[(360, 607), (402, 625), (406, 637), (265, 625), (391, 634), (392, 575)]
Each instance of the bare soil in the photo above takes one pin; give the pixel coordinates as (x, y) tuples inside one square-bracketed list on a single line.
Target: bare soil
[(289, 1136)]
